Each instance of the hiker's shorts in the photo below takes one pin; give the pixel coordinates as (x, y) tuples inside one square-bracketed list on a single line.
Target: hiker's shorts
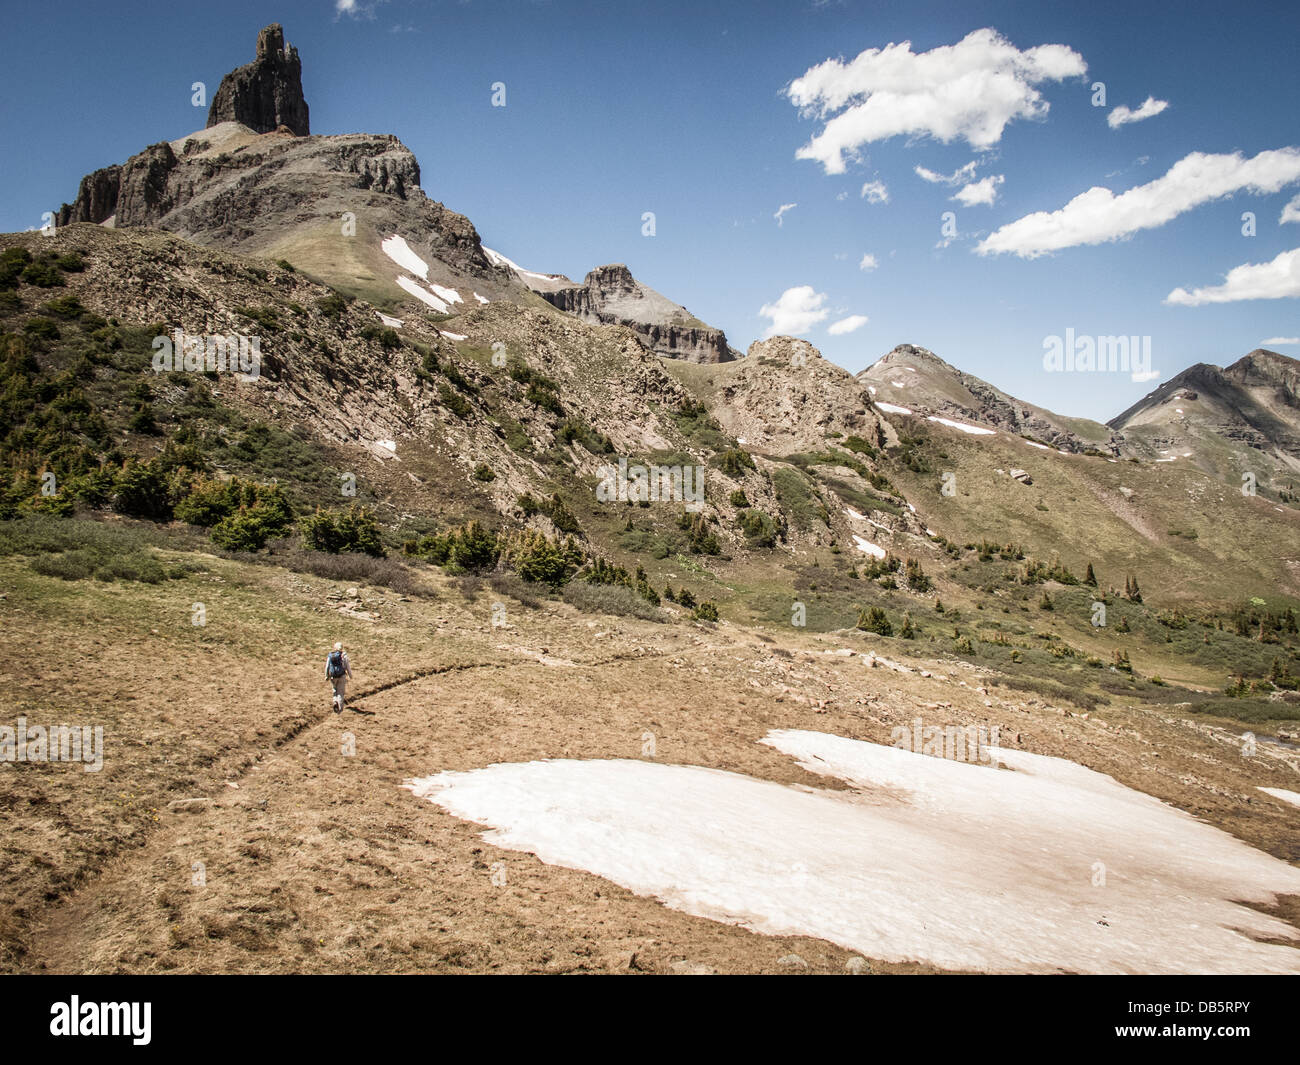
[(340, 686)]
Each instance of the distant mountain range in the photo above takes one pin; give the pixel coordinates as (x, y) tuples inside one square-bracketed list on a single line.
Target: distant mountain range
[(794, 438)]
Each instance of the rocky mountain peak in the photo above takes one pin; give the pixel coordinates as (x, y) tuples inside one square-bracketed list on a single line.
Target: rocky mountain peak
[(266, 93), (611, 278), (610, 295)]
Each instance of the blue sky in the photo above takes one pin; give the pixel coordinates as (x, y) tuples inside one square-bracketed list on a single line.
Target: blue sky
[(685, 110)]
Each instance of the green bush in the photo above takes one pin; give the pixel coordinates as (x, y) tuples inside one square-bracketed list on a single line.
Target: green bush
[(386, 337), (144, 490), (706, 611), (759, 529), (734, 462), (332, 306), (541, 560), (875, 620), (453, 401), (69, 566), (540, 396), (353, 530), (699, 537)]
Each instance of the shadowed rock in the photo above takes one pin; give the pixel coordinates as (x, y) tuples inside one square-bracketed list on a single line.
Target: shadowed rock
[(266, 93)]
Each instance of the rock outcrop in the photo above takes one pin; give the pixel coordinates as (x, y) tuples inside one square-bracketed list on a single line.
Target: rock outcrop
[(265, 94), (610, 295)]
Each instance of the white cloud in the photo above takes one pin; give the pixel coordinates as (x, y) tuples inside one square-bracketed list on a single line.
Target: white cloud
[(875, 192), (1141, 376), (1279, 341), (957, 177), (984, 191), (797, 311), (1122, 115), (782, 209), (355, 9), (1098, 215), (1291, 212), (1250, 281), (847, 325), (868, 262), (970, 91)]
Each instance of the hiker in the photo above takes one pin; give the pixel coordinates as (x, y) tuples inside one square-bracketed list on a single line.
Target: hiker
[(337, 671)]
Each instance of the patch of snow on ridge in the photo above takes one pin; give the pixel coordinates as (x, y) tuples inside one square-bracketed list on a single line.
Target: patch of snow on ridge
[(422, 294), (854, 514), (393, 323), (497, 259), (1293, 797), (974, 430), (891, 408), (449, 295), (451, 336), (481, 299), (400, 252), (868, 547), (952, 863), (1042, 447)]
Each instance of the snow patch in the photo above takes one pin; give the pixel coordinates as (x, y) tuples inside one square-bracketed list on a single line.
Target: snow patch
[(400, 252), (422, 294), (957, 864), (497, 259), (868, 547), (854, 514), (448, 295), (451, 336), (974, 430), (481, 299), (891, 408), (1293, 797), (1041, 447), (392, 323)]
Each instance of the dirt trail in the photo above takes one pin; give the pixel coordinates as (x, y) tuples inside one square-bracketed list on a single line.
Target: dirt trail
[(314, 858)]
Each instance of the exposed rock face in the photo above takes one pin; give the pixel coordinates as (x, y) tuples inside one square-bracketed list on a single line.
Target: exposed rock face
[(610, 295), (231, 188), (266, 93), (784, 397)]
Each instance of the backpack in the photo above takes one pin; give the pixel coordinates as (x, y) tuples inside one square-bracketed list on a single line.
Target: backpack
[(334, 665)]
